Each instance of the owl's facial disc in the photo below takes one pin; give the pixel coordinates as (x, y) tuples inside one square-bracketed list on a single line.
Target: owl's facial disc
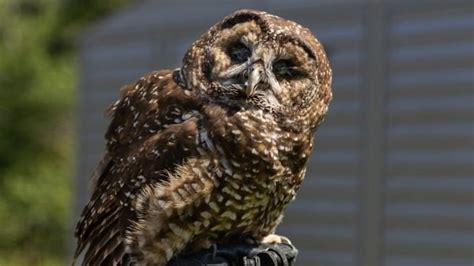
[(260, 75), (249, 66)]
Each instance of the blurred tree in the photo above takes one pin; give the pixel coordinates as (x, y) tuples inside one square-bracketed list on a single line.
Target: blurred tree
[(37, 82)]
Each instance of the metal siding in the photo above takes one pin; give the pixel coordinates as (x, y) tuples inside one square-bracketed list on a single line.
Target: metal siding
[(429, 159)]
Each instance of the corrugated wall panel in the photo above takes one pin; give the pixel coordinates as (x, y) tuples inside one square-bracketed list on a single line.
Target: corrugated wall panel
[(429, 158)]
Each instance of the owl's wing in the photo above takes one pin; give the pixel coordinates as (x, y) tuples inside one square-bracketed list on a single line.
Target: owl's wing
[(152, 131)]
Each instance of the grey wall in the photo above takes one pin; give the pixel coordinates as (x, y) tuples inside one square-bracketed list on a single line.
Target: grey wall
[(391, 179)]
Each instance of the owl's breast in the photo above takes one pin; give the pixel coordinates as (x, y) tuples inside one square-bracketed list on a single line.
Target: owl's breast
[(255, 179), (246, 207)]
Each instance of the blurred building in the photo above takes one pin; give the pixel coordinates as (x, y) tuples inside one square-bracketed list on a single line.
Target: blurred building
[(391, 181)]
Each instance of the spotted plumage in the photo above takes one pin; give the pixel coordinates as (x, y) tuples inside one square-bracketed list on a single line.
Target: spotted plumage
[(212, 152)]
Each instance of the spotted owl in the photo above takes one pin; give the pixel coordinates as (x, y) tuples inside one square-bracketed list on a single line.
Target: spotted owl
[(211, 152)]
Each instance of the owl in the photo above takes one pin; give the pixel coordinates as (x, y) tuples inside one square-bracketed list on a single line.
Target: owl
[(211, 152)]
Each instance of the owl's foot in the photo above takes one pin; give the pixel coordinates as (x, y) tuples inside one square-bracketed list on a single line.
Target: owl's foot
[(276, 239)]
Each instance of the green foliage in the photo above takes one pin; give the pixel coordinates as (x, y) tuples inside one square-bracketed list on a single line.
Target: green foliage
[(37, 89)]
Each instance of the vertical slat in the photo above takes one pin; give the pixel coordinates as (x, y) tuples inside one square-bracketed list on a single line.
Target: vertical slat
[(373, 99)]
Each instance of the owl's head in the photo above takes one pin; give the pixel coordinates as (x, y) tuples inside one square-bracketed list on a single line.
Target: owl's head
[(255, 60)]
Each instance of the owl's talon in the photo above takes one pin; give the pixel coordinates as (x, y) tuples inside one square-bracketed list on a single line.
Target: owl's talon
[(214, 250), (276, 239)]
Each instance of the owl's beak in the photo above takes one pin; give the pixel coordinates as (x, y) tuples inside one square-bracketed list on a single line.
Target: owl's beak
[(255, 71)]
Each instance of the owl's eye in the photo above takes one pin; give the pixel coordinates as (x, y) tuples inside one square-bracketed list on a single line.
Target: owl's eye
[(238, 52), (286, 69)]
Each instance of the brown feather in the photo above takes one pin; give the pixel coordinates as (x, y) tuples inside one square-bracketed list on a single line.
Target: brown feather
[(132, 161)]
